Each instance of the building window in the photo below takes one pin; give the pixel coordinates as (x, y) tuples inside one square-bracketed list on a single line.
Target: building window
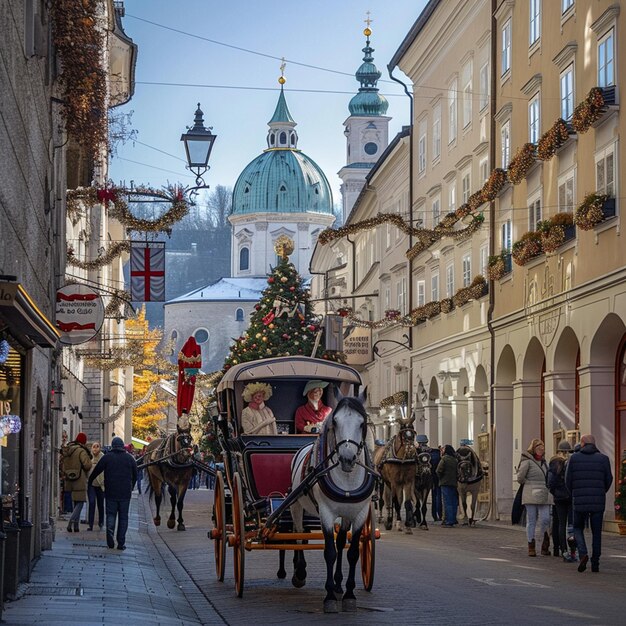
[(244, 259), (239, 315), (449, 281), (605, 172), (400, 294), (566, 193), (484, 86), (467, 94), (534, 123), (484, 259), (506, 47), (505, 144), (388, 236), (507, 235), (434, 286), (421, 149), (436, 211), (201, 335), (606, 71), (467, 270), (421, 293), (483, 169), (534, 212), (565, 5), (535, 21), (466, 182), (452, 197), (387, 296), (437, 131), (567, 92), (452, 111)]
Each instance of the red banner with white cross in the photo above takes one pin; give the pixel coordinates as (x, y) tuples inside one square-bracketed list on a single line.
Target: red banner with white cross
[(147, 271)]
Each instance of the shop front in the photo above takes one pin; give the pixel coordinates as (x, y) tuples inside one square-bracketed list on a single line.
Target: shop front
[(26, 374)]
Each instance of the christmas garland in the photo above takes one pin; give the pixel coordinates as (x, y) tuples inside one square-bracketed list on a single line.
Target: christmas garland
[(522, 162), (552, 140), (400, 398), (476, 290), (588, 111), (590, 213), (130, 405), (119, 210), (106, 258), (119, 299), (527, 248), (552, 231)]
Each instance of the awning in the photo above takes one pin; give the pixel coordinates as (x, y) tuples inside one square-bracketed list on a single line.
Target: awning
[(25, 321)]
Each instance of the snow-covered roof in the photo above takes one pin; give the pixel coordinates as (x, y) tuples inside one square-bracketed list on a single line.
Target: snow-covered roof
[(248, 289)]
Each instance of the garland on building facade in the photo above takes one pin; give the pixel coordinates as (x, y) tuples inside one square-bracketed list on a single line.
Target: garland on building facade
[(106, 258)]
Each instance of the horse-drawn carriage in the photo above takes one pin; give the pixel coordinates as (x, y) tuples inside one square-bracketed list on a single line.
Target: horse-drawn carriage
[(266, 489)]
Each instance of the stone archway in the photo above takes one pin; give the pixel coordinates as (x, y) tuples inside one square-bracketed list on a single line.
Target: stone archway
[(529, 397), (502, 442), (478, 405)]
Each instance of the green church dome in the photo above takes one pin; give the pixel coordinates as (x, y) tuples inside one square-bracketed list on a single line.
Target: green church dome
[(282, 179)]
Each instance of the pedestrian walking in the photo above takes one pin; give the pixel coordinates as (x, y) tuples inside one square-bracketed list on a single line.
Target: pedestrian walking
[(95, 491), (532, 472), (588, 477), (120, 475), (562, 501), (76, 464), (447, 473)]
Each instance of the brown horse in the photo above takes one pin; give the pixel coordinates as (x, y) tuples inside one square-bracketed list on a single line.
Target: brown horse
[(470, 476), (396, 464), (169, 462)]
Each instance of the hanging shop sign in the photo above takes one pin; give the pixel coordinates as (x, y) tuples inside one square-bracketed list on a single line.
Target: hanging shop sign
[(79, 313), (147, 271), (354, 341)]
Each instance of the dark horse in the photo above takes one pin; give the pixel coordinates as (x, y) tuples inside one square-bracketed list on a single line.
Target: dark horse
[(396, 464), (169, 462), (423, 486), (470, 476), (343, 490)]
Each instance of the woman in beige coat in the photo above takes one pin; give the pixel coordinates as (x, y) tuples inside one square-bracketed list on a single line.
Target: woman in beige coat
[(95, 491), (532, 472), (76, 464)]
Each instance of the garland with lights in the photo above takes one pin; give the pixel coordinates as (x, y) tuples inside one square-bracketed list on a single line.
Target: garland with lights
[(79, 44), (590, 212), (477, 289), (553, 231), (590, 110), (527, 247), (106, 258), (496, 266), (552, 140), (400, 398), (523, 160), (119, 210), (620, 494), (130, 405), (115, 308)]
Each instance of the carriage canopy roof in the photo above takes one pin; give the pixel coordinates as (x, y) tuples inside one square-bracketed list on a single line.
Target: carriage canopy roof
[(287, 367)]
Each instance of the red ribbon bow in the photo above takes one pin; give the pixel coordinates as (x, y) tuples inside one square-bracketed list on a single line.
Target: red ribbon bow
[(106, 196)]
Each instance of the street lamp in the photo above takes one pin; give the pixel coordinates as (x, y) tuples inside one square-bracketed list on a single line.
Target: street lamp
[(198, 142)]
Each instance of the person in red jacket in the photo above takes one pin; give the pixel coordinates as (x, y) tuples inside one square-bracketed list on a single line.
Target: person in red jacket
[(310, 416)]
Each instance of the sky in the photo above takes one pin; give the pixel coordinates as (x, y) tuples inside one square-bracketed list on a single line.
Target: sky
[(191, 51)]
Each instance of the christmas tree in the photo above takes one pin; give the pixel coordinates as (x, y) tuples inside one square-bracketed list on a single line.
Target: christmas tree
[(283, 323), (620, 494)]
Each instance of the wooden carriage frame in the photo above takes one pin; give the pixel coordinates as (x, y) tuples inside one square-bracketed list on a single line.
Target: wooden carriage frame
[(257, 468)]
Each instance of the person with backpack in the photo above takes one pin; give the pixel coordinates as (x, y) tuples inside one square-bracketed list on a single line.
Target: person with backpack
[(76, 465), (562, 500)]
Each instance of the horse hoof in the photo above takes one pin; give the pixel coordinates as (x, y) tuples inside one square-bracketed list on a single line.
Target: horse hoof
[(181, 527), (466, 524), (171, 523), (424, 526), (339, 589), (348, 605), (281, 573), (157, 521), (330, 606), (388, 526), (299, 583), (408, 530)]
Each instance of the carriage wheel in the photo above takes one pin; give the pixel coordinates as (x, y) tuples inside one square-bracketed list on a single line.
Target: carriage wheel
[(240, 534), (219, 532), (367, 549)]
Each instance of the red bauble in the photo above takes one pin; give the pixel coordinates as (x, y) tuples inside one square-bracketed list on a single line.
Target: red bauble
[(311, 327), (292, 288), (257, 307), (270, 280), (285, 336)]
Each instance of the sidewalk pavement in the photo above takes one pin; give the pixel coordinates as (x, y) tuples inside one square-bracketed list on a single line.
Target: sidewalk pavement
[(81, 581)]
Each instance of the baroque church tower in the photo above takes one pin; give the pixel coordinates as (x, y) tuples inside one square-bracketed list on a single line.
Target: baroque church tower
[(366, 130)]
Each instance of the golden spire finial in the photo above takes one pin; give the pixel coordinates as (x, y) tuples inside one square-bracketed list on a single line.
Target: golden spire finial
[(367, 32), (282, 80)]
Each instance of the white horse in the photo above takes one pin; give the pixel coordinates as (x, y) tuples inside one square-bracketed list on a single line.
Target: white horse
[(343, 491)]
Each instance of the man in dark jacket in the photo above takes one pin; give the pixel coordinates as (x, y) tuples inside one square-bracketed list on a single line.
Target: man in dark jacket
[(588, 477), (447, 473), (120, 476)]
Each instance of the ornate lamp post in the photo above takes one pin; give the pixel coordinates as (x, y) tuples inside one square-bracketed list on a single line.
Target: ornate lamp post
[(198, 142)]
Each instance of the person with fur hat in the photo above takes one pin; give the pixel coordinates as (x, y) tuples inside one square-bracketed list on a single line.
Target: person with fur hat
[(532, 472), (76, 464), (257, 418), (310, 416), (120, 476), (562, 500)]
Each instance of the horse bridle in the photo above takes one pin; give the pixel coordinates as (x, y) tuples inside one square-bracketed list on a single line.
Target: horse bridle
[(359, 445)]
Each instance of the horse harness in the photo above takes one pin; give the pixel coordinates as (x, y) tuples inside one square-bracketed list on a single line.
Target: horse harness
[(470, 469), (390, 455)]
